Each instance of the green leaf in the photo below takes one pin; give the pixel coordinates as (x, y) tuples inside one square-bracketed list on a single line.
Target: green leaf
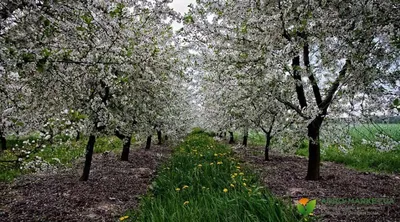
[(40, 65), (46, 52), (244, 29), (28, 57), (46, 22), (87, 18), (310, 206), (396, 102), (301, 209), (188, 19), (80, 28), (118, 10)]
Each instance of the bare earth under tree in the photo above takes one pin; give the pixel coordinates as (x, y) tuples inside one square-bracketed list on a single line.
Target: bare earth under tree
[(284, 176), (113, 188)]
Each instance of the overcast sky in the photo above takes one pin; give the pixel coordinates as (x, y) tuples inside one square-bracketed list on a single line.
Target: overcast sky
[(181, 6)]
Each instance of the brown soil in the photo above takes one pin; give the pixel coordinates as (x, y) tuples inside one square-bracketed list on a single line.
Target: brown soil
[(284, 176), (114, 186)]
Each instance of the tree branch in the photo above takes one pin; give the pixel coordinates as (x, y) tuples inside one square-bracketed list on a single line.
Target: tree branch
[(293, 107), (334, 87), (311, 77)]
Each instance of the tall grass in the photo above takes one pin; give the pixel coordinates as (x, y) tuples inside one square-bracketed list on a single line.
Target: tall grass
[(369, 131), (203, 182)]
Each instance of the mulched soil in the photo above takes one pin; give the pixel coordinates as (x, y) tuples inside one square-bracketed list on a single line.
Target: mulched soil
[(284, 176), (114, 186)]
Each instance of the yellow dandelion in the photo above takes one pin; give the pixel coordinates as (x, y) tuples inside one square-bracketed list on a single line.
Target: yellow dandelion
[(185, 186), (235, 174), (225, 190), (215, 154), (211, 164), (219, 162), (203, 187), (238, 167), (123, 218), (199, 165), (186, 202), (232, 185), (241, 174), (244, 179), (244, 184), (232, 176), (177, 189)]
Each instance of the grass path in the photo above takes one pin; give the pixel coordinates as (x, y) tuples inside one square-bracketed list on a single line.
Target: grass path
[(204, 182)]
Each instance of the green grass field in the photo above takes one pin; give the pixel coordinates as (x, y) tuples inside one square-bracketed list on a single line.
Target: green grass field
[(364, 157), (204, 182)]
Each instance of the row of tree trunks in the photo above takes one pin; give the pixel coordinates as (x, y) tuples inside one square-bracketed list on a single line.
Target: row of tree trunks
[(268, 138), (125, 150)]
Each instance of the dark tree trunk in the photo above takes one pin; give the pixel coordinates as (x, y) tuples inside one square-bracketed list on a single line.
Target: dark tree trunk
[(244, 141), (126, 147), (231, 139), (224, 134), (165, 137), (245, 137), (78, 136), (88, 156), (299, 87), (3, 142), (148, 143), (314, 154), (268, 138), (159, 136)]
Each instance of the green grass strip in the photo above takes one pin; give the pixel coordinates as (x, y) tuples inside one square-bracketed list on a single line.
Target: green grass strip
[(204, 182), (361, 157)]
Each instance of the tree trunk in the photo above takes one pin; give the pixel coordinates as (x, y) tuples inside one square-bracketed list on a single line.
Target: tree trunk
[(88, 156), (245, 136), (159, 136), (165, 137), (268, 138), (314, 155), (231, 139), (299, 86), (78, 136), (3, 142), (148, 143), (125, 148), (224, 134)]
